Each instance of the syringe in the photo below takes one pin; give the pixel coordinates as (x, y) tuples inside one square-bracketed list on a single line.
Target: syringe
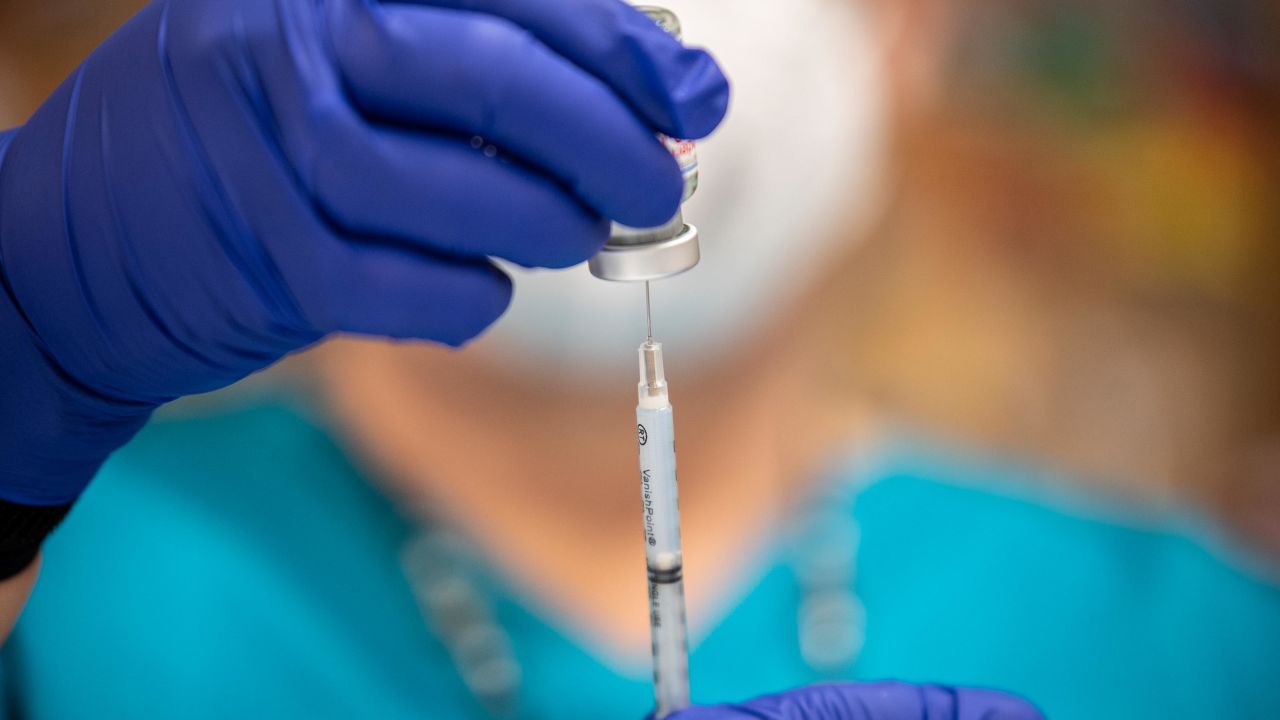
[(664, 557), (642, 255)]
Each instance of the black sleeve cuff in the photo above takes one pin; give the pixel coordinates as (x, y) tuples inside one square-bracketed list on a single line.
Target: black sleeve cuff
[(22, 529)]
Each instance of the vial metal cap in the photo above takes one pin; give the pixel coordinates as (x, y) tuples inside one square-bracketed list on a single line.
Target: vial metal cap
[(651, 260)]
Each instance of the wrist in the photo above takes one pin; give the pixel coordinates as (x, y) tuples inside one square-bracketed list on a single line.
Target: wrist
[(54, 434), (54, 431), (51, 444)]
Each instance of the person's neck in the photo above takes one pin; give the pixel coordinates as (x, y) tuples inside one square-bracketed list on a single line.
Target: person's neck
[(543, 477)]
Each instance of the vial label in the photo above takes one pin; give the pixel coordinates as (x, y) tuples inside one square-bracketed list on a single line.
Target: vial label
[(684, 151), (686, 154)]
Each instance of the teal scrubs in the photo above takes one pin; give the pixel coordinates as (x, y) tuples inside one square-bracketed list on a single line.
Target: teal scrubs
[(238, 566)]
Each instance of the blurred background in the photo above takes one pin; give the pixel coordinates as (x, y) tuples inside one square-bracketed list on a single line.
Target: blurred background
[(1083, 264), (1077, 267), (1080, 264)]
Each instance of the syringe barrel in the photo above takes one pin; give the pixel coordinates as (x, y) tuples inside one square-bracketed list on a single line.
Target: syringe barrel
[(663, 555), (658, 488)]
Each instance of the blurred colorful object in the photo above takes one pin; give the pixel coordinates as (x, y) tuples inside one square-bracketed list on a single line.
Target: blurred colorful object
[(1083, 268), (1162, 112)]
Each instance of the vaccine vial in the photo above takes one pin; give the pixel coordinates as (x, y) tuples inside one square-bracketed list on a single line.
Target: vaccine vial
[(644, 254)]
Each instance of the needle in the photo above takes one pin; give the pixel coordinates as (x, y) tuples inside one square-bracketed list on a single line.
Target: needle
[(648, 312)]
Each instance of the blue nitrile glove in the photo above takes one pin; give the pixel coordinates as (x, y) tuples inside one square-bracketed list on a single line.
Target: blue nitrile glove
[(872, 701), (226, 181)]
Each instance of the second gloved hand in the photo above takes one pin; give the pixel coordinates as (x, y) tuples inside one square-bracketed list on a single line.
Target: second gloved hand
[(226, 181), (872, 701)]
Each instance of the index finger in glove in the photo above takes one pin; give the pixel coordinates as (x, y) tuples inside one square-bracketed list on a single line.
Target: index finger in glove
[(680, 90), (480, 75)]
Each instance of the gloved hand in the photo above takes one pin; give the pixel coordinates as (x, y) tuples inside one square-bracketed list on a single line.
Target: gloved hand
[(872, 701), (226, 181)]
